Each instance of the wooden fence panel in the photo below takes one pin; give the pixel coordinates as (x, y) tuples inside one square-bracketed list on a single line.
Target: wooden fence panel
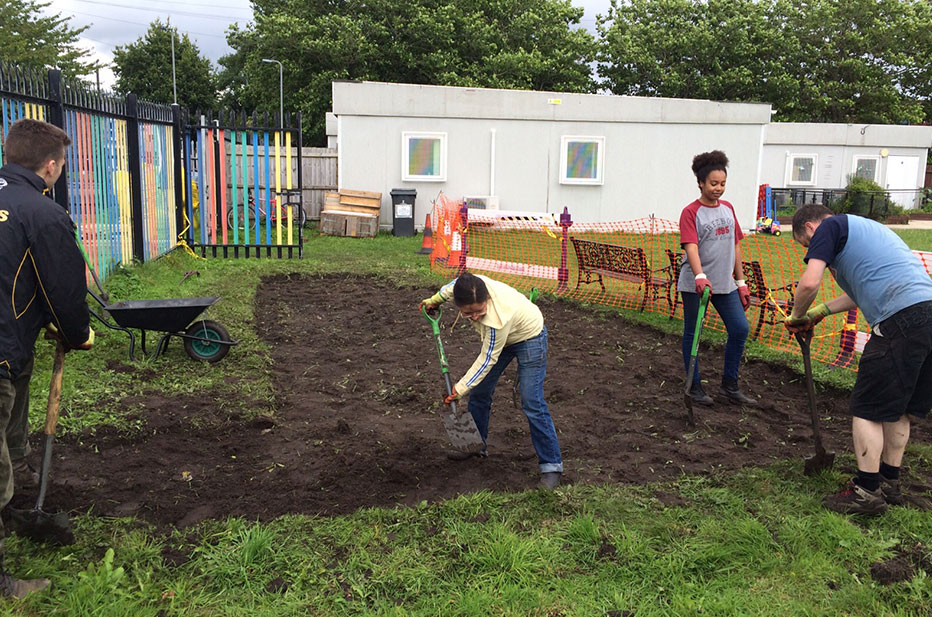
[(320, 176)]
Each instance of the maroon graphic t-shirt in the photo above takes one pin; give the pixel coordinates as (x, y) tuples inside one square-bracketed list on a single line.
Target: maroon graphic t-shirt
[(715, 230)]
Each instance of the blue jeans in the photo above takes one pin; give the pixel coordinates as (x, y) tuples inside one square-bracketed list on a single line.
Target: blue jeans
[(532, 369), (729, 308)]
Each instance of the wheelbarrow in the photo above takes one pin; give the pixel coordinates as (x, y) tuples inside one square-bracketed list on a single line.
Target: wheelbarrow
[(204, 340)]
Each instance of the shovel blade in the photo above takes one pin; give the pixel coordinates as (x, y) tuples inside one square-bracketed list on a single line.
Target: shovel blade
[(41, 526), (462, 431), (818, 462)]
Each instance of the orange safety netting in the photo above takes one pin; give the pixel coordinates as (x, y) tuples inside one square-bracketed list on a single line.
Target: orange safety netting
[(634, 265)]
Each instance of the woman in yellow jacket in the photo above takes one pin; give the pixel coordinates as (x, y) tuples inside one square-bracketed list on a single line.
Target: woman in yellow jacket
[(510, 326)]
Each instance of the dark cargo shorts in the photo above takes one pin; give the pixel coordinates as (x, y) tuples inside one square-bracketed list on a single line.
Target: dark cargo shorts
[(895, 371)]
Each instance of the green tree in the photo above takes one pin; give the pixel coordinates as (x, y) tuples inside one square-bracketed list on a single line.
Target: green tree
[(29, 38), (145, 68), (528, 44), (814, 60)]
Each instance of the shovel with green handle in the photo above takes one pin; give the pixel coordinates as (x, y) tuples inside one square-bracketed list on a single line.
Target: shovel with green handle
[(694, 355), (460, 427)]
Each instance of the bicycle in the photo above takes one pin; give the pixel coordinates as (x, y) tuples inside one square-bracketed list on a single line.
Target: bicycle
[(248, 218)]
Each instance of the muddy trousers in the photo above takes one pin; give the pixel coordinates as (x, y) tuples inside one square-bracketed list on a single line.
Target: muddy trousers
[(7, 401)]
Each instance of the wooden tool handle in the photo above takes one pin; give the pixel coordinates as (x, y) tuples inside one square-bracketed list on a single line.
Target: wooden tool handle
[(51, 413)]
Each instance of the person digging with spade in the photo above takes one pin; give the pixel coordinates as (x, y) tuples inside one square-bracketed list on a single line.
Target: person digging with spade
[(710, 236), (42, 282), (510, 327), (883, 278)]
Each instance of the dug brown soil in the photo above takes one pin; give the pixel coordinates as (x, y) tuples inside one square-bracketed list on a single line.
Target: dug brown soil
[(356, 422)]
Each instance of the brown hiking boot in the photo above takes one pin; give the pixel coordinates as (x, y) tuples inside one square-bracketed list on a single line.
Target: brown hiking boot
[(24, 476), (856, 499), (891, 492), (19, 588)]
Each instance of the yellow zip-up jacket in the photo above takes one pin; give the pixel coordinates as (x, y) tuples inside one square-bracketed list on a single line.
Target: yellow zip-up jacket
[(510, 318)]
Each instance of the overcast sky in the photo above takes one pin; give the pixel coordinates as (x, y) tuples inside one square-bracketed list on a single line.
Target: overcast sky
[(118, 22)]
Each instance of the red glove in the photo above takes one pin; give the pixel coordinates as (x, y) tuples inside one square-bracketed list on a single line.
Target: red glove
[(701, 283), (449, 399), (744, 294)]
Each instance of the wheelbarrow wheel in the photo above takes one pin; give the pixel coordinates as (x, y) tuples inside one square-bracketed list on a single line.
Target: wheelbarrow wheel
[(213, 350)]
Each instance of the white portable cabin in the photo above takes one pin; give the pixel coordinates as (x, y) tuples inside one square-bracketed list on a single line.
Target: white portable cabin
[(604, 157)]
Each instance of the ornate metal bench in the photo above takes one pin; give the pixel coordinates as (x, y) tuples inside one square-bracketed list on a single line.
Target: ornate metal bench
[(626, 263)]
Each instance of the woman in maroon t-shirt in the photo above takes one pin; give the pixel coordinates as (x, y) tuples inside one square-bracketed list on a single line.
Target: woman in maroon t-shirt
[(709, 234)]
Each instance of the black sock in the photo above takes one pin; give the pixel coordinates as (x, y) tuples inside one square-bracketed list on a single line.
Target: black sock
[(868, 480), (889, 472)]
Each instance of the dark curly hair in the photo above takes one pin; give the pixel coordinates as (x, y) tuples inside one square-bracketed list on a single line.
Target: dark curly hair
[(707, 162)]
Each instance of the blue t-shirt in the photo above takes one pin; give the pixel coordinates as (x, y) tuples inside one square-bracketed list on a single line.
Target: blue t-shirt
[(871, 264)]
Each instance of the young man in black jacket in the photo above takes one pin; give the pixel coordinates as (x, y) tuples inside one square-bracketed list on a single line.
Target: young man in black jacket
[(42, 282)]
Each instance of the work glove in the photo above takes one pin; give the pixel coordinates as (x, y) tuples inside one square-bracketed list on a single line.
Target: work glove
[(814, 315), (53, 334), (701, 283), (449, 399), (86, 345), (744, 294), (426, 303)]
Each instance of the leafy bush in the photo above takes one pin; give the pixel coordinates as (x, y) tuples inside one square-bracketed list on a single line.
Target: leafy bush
[(866, 198), (926, 201)]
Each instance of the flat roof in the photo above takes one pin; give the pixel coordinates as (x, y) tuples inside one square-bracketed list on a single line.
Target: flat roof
[(371, 98)]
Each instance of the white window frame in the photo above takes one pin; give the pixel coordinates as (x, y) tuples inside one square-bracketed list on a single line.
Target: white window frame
[(600, 160), (860, 157), (406, 136), (790, 160)]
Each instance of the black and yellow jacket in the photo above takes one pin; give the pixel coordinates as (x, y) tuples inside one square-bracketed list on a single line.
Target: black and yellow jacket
[(42, 277)]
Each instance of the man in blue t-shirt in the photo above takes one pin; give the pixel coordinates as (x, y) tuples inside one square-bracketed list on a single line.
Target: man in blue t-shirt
[(884, 279)]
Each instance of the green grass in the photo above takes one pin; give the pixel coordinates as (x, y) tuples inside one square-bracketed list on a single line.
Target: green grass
[(917, 239), (755, 542)]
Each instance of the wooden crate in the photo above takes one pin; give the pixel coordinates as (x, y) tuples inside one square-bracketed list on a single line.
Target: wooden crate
[(331, 201), (365, 199), (351, 224)]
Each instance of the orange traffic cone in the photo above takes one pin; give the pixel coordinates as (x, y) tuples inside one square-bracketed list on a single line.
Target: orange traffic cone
[(427, 245)]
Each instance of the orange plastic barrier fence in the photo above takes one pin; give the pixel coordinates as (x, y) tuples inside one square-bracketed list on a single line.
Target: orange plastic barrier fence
[(634, 265)]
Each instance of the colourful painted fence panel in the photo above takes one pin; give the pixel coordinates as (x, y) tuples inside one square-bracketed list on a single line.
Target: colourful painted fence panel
[(141, 178), (157, 162), (98, 188), (245, 202)]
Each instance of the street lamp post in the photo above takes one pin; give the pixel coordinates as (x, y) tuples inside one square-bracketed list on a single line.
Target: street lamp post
[(174, 82), (281, 91)]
